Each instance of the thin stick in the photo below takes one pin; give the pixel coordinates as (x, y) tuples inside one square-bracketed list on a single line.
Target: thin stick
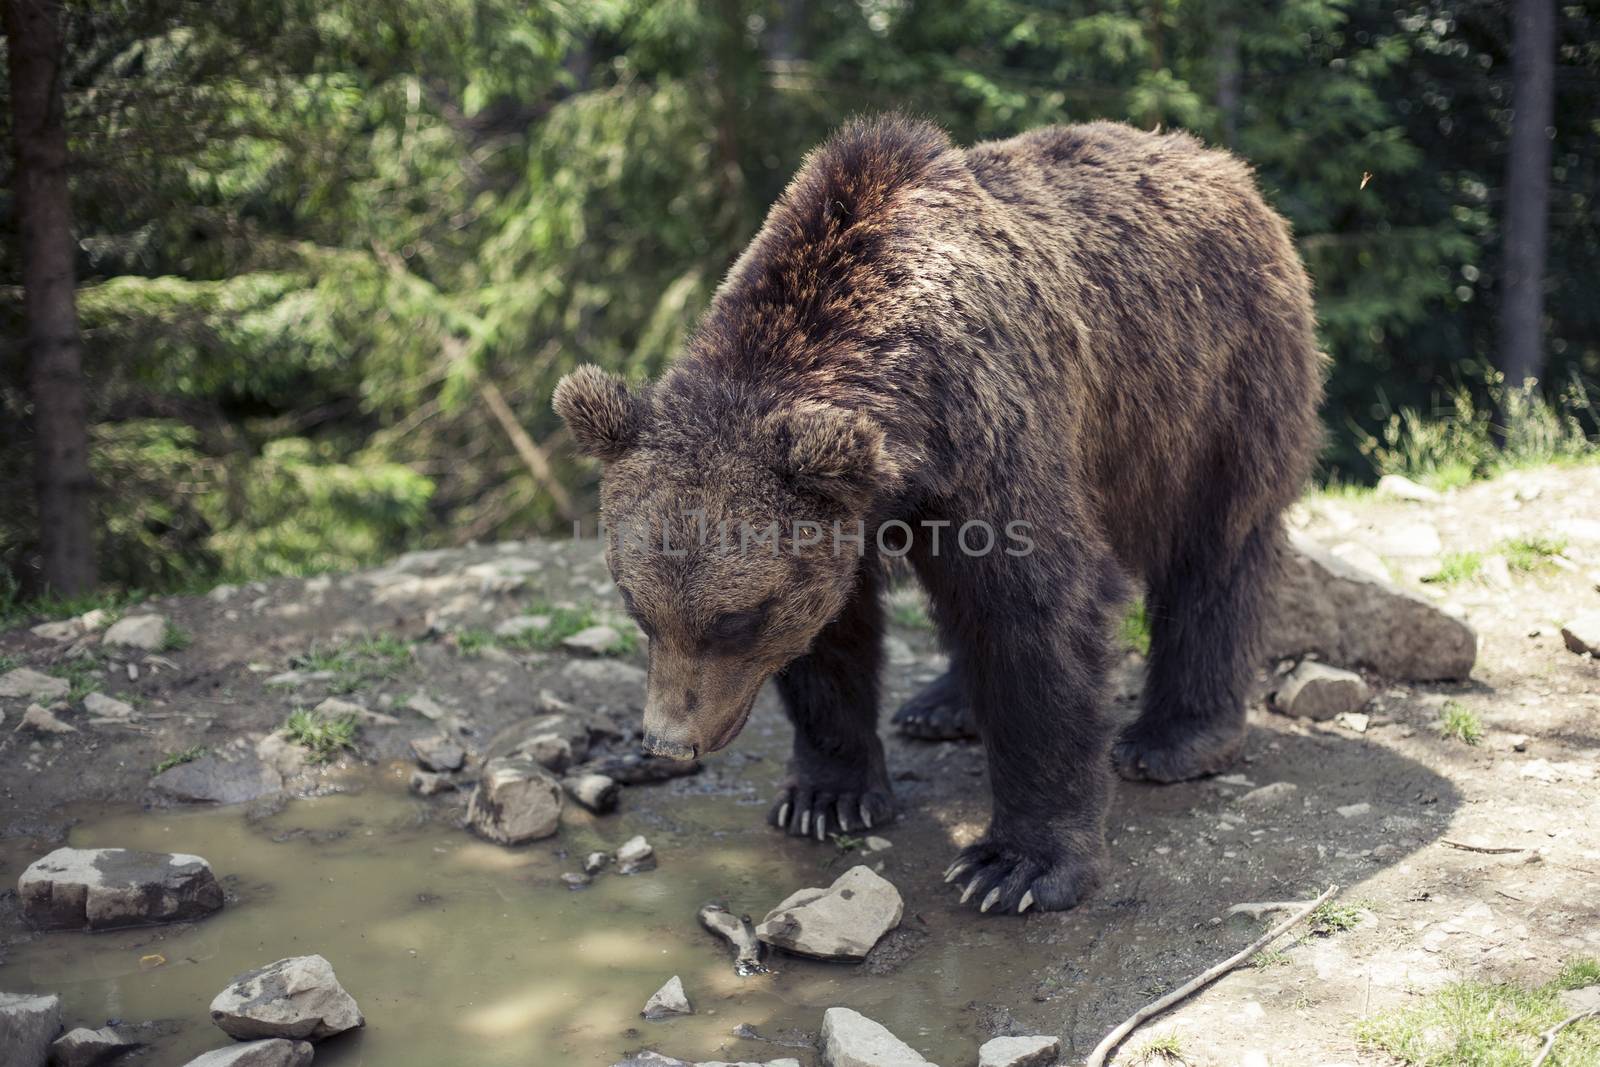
[(1487, 850), (1554, 1032), (1097, 1058)]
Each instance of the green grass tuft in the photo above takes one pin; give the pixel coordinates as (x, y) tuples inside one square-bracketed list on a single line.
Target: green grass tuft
[(1335, 916), (1578, 973), (319, 735), (176, 639), (1532, 553), (564, 622), (359, 663), (1461, 723), (909, 614), (84, 673), (174, 759), (1168, 1048), (9, 663), (1456, 567), (1476, 1024)]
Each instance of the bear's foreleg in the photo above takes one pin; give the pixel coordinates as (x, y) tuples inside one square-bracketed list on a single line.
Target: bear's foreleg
[(837, 776), (1031, 635)]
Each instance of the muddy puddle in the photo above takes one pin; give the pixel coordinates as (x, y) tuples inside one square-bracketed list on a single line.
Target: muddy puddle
[(462, 952)]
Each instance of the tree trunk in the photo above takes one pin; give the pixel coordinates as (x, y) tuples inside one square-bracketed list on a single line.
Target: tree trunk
[(55, 353), (1527, 191), (1228, 76)]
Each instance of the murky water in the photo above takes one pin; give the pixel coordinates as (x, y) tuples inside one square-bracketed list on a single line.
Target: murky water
[(463, 952)]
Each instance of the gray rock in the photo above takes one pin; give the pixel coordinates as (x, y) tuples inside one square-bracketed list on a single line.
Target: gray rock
[(44, 721), (100, 888), (1399, 487), (1316, 691), (1019, 1052), (61, 630), (595, 862), (656, 1059), (272, 1052), (595, 792), (297, 998), (636, 856), (1324, 605), (850, 1039), (28, 1023), (89, 1048), (428, 784), (438, 753), (594, 641), (605, 673), (1273, 795), (339, 708), (554, 741), (425, 706), (516, 801), (148, 632), (107, 707), (522, 624), (1583, 634), (227, 777), (29, 684), (842, 921), (668, 1001)]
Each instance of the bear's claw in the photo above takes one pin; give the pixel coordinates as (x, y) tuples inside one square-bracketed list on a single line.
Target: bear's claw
[(1144, 754), (939, 712), (806, 812), (1006, 880)]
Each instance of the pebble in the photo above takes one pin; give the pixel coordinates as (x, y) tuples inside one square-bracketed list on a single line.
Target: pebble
[(84, 1047), (594, 641), (299, 998), (636, 856), (1317, 691), (44, 721), (438, 753), (595, 862), (1582, 635), (595, 792), (850, 1039), (107, 707), (1399, 487), (1270, 796), (842, 921), (1355, 811), (272, 1052), (147, 632), (516, 801), (668, 1001), (30, 684)]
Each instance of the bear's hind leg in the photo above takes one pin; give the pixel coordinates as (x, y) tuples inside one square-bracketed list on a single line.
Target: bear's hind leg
[(939, 711), (837, 776), (1205, 613)]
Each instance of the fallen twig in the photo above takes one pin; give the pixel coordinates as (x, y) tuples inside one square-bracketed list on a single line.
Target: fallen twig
[(1097, 1058), (1487, 850), (1554, 1032)]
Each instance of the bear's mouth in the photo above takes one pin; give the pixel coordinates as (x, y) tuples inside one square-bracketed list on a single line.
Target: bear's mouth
[(732, 732)]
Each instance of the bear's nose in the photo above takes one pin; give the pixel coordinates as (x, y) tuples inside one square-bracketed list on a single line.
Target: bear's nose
[(660, 746)]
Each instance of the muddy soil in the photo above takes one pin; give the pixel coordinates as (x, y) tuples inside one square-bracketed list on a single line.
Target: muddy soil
[(453, 944)]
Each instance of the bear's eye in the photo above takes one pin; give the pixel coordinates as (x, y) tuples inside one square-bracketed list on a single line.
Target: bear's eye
[(736, 627)]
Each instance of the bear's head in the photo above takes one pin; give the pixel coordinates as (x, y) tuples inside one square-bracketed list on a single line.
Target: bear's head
[(734, 530)]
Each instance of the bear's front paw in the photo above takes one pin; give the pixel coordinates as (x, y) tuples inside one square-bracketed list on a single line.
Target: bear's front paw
[(806, 810), (1175, 753), (1006, 879)]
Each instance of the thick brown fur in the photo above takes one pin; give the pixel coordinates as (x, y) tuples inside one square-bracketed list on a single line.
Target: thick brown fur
[(1102, 332)]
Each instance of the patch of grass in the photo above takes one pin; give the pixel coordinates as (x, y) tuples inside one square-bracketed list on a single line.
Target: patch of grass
[(176, 639), (846, 843), (359, 663), (15, 611), (909, 614), (1134, 632), (1578, 973), (9, 663), (182, 756), (319, 735), (1460, 722), (1532, 553), (1168, 1048), (83, 673), (1456, 567), (1276, 957), (564, 622), (1336, 916), (1475, 1024)]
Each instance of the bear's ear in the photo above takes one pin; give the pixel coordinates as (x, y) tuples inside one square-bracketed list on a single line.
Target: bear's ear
[(602, 414), (833, 453)]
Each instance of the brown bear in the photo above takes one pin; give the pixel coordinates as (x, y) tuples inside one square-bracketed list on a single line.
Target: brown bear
[(1094, 343)]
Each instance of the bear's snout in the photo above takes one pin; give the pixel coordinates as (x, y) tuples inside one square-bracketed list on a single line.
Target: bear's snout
[(661, 746)]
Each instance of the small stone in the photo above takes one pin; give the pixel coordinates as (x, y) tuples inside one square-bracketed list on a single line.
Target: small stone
[(148, 632), (878, 844), (1516, 742), (516, 801), (337, 708), (107, 707), (1399, 487), (554, 741), (574, 880), (594, 641), (28, 1023), (425, 706), (850, 1039), (668, 1001), (30, 684), (1354, 811), (842, 921), (428, 784), (614, 674), (1316, 691), (1019, 1052), (218, 778), (636, 856), (595, 792), (99, 888), (1270, 796), (272, 1052), (44, 721), (522, 624), (297, 998), (1355, 721), (61, 630), (1583, 634), (438, 753), (84, 1047), (595, 862)]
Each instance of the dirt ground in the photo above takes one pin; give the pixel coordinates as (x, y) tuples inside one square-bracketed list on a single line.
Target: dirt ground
[(1465, 860)]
